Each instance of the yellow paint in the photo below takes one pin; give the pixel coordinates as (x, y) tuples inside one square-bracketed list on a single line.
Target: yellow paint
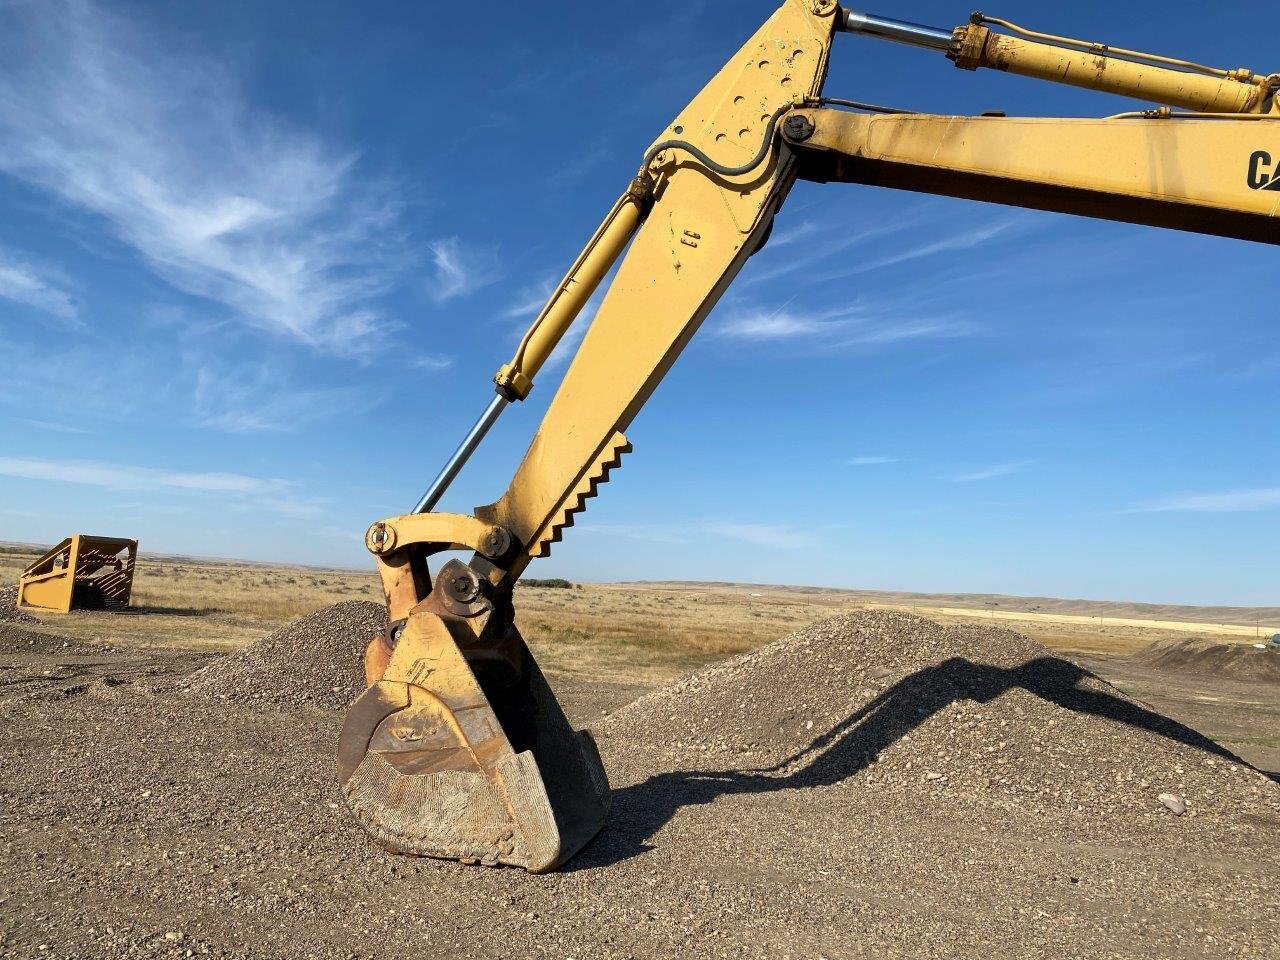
[(48, 583)]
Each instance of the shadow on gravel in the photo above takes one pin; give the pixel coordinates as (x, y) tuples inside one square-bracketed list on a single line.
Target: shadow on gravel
[(170, 611), (641, 810)]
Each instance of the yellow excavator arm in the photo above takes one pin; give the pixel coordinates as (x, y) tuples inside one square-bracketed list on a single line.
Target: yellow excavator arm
[(458, 748)]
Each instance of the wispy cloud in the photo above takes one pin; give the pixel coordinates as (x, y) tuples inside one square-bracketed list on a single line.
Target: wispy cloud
[(963, 240), (237, 490), (41, 287), (50, 425), (990, 473), (842, 327), (777, 536), (256, 397), (103, 391), (890, 332), (871, 461), (826, 243), (461, 269), (432, 362), (780, 324), (223, 201), (636, 531), (122, 477), (801, 231), (530, 300), (1236, 501)]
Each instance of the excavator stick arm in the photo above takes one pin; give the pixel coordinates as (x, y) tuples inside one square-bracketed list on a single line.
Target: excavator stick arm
[(458, 748), (702, 228)]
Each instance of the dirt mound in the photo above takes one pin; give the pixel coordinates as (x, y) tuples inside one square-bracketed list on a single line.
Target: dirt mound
[(9, 612), (1204, 657), (922, 714), (316, 660)]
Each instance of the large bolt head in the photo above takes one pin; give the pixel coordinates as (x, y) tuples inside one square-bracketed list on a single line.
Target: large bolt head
[(380, 538), (463, 585), (496, 542), (798, 127)]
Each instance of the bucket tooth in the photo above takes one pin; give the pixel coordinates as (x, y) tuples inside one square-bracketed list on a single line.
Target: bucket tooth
[(431, 763)]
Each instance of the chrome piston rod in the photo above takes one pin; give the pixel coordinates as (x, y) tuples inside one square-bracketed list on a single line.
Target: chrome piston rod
[(903, 31), (460, 456)]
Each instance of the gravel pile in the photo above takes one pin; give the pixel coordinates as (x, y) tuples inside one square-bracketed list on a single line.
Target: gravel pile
[(922, 715), (9, 612), (1233, 661), (317, 660)]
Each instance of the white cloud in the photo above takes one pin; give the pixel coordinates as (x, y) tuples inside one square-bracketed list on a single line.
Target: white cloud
[(432, 362), (120, 477), (780, 324), (871, 461), (530, 301), (990, 473), (838, 239), (785, 238), (897, 332), (256, 397), (461, 270), (964, 240), (222, 200), (25, 283), (1238, 501), (845, 326), (273, 494)]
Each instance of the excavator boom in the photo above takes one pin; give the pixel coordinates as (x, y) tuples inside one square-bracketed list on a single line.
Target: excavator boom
[(458, 748)]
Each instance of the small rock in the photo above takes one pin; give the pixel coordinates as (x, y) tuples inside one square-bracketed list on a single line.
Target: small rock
[(1175, 804)]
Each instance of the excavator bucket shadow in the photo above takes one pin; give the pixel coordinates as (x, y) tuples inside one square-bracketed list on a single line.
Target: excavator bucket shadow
[(442, 760)]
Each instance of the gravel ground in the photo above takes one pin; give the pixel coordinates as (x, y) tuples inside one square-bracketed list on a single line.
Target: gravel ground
[(19, 639), (960, 793), (9, 612), (316, 660)]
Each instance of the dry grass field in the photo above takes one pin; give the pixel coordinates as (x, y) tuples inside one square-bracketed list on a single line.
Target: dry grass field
[(623, 639), (641, 633)]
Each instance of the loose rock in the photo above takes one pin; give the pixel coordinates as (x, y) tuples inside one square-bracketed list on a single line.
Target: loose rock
[(315, 661)]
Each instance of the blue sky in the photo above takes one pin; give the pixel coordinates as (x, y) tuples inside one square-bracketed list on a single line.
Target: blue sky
[(258, 263)]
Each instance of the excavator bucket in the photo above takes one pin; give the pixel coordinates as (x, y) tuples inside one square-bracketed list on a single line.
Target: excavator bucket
[(460, 751), (82, 571)]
